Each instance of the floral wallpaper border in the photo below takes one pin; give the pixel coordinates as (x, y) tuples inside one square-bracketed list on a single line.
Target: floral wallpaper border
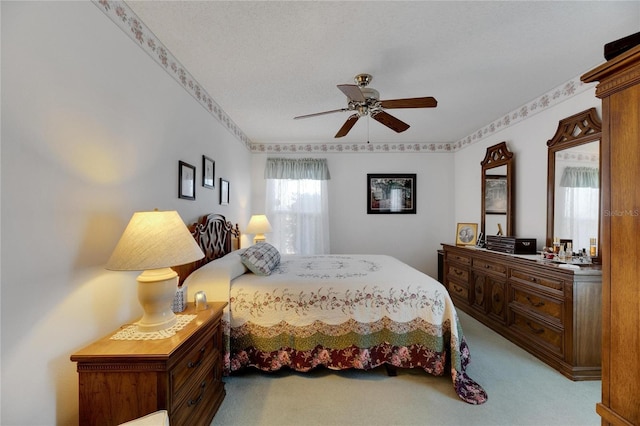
[(120, 13)]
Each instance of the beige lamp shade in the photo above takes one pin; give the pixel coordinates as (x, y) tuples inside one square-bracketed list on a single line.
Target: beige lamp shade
[(154, 240), (258, 225)]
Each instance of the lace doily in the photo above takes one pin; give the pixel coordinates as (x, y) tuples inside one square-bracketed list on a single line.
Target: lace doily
[(131, 332)]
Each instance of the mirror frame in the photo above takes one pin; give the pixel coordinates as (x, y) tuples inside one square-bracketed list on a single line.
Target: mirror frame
[(578, 129), (499, 155)]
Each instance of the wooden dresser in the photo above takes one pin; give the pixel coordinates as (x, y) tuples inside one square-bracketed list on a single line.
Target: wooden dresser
[(619, 89), (552, 312), (120, 380)]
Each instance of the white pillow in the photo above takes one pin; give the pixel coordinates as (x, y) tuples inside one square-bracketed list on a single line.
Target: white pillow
[(215, 277)]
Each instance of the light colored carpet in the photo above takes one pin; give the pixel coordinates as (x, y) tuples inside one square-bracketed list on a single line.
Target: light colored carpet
[(522, 391)]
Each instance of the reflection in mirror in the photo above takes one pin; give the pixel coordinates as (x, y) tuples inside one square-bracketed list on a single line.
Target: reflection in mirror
[(495, 199), (577, 194), (497, 191), (573, 182)]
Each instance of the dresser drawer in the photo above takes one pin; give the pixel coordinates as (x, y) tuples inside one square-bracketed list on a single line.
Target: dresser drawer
[(494, 267), (459, 290), (194, 363), (459, 258), (457, 273), (541, 280), (529, 299), (538, 333)]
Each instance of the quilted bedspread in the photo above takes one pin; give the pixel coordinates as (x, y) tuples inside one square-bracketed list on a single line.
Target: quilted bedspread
[(339, 312)]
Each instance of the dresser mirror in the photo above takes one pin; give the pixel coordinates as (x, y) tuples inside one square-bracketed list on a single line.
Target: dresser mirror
[(573, 183), (497, 191)]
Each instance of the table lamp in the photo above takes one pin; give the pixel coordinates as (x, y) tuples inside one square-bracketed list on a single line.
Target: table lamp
[(258, 225), (153, 242)]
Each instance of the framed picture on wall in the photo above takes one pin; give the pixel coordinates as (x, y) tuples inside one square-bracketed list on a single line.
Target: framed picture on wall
[(466, 234), (224, 192), (495, 194), (208, 172), (186, 181), (391, 193)]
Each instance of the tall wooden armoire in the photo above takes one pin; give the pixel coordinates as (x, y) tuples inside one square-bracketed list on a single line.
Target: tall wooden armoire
[(619, 89)]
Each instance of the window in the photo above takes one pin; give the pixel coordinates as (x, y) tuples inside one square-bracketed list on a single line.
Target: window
[(297, 205)]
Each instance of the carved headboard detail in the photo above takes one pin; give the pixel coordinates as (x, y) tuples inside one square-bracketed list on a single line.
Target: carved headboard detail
[(215, 236)]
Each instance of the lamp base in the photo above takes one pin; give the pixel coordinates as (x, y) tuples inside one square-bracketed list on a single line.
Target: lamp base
[(156, 291), (259, 238)]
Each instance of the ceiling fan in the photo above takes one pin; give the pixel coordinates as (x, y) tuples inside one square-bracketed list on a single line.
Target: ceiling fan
[(366, 101)]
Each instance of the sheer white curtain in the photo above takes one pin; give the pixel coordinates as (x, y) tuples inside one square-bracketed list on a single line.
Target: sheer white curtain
[(297, 205), (577, 204)]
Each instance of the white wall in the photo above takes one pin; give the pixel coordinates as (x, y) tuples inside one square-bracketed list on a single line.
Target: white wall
[(528, 142), (92, 130), (414, 239)]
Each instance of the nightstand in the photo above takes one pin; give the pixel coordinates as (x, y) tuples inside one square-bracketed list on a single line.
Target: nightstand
[(120, 380)]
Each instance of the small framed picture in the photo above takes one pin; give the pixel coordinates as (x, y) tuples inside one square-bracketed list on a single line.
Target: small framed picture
[(186, 181), (208, 172), (224, 192), (466, 234)]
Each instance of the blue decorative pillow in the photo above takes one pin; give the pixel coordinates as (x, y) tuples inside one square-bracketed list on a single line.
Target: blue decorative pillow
[(261, 258)]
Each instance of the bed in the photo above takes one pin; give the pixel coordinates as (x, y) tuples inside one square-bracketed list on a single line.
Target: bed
[(332, 311)]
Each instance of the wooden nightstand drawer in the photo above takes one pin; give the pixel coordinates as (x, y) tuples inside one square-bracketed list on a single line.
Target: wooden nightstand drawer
[(121, 380), (193, 364), (200, 396)]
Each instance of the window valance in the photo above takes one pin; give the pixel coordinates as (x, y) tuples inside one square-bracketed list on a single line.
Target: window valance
[(297, 168), (580, 177)]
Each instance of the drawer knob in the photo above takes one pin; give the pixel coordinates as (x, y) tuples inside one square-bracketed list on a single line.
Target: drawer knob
[(535, 330), (534, 304), (197, 363), (193, 402)]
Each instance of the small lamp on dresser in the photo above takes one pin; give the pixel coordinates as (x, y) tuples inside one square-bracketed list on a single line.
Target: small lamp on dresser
[(153, 242), (258, 225)]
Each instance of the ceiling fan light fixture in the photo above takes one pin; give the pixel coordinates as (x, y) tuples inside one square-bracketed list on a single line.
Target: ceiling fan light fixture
[(365, 101)]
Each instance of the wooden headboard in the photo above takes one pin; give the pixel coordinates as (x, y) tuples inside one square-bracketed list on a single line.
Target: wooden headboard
[(215, 236)]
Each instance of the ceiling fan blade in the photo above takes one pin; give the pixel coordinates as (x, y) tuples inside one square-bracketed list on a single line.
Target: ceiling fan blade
[(353, 92), (321, 113), (390, 121), (426, 102), (351, 121)]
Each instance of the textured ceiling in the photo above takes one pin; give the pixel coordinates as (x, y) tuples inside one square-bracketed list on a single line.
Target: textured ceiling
[(266, 62)]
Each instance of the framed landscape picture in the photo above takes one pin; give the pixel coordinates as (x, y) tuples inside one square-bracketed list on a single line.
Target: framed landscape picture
[(391, 193)]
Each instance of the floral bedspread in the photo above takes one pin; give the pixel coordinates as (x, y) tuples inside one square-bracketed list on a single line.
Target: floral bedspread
[(345, 311)]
